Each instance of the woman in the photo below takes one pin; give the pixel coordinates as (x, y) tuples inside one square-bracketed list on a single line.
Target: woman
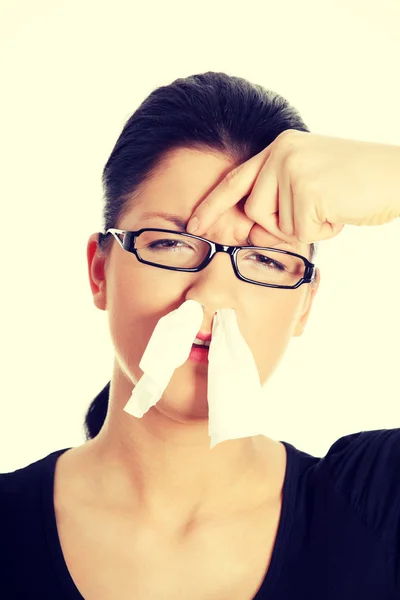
[(143, 509)]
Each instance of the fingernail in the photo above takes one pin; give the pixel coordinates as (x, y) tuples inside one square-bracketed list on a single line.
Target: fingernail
[(193, 225)]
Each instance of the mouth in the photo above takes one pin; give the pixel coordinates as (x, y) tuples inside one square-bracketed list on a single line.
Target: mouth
[(199, 343)]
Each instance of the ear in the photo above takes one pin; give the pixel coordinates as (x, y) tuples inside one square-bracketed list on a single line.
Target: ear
[(96, 267), (300, 325)]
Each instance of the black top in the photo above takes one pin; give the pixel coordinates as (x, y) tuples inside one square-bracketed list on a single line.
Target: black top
[(338, 537)]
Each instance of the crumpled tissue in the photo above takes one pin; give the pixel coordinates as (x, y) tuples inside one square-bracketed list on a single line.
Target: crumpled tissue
[(234, 391)]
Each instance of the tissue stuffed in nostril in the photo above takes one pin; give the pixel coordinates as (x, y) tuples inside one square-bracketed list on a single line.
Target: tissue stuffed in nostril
[(235, 398), (174, 332), (235, 401)]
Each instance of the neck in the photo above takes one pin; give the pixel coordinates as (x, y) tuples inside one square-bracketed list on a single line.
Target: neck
[(163, 469)]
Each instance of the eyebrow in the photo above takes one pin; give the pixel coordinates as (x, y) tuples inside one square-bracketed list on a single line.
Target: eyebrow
[(175, 219)]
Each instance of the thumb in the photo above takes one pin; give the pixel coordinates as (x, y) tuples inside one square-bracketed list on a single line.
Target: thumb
[(259, 236)]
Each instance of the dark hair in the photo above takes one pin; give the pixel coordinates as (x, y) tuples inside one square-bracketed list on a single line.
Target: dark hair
[(210, 112)]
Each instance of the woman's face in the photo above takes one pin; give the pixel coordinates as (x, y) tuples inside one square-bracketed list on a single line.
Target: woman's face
[(136, 295)]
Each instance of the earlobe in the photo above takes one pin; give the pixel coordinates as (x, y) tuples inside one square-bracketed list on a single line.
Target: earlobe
[(300, 327)]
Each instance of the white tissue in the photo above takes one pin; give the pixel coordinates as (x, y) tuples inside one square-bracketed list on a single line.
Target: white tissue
[(175, 331), (235, 400), (234, 394)]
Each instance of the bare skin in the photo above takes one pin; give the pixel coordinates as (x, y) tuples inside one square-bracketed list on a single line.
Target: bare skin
[(157, 475), (114, 554)]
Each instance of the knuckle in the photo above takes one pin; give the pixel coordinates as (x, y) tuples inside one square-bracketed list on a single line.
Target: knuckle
[(303, 238), (284, 141), (285, 134), (230, 178), (289, 140), (303, 232), (285, 227), (249, 209), (288, 135)]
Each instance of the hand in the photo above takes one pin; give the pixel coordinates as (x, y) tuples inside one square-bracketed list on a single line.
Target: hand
[(306, 187)]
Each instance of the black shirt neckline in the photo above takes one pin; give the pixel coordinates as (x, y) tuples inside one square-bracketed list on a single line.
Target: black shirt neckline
[(285, 523)]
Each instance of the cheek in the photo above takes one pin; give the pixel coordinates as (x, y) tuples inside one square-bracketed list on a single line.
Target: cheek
[(130, 333), (135, 304), (141, 291), (270, 334)]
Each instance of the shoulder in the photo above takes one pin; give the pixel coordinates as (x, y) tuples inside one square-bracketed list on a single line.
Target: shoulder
[(24, 481), (370, 454), (365, 468)]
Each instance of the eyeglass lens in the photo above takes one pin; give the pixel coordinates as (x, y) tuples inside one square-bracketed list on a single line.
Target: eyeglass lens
[(179, 251)]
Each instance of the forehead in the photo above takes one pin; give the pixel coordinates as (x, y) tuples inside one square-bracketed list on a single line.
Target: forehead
[(181, 181), (187, 175)]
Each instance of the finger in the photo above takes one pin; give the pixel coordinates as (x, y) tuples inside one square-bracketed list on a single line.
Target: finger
[(236, 184), (258, 236), (286, 203), (263, 205), (309, 229)]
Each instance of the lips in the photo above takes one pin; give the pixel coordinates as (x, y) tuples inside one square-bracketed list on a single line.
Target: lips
[(200, 344), (205, 337)]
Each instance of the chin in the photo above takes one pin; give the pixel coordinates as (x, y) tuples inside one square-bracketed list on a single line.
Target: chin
[(193, 409)]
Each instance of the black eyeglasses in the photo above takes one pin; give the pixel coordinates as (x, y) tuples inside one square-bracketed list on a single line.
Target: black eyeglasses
[(164, 252)]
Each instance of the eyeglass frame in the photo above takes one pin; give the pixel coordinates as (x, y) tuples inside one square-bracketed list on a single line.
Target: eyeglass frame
[(128, 244)]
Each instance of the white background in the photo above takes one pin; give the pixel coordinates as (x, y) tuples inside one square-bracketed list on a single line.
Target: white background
[(71, 74)]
